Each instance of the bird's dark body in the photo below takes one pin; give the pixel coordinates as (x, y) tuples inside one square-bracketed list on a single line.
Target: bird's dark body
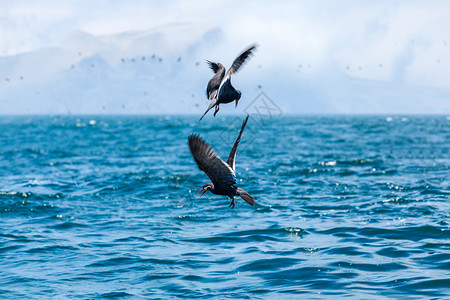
[(228, 93), (229, 190)]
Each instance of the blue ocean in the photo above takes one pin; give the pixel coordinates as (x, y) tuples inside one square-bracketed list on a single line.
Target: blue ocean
[(96, 207)]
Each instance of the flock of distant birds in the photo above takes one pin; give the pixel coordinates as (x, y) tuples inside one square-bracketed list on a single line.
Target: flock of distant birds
[(348, 67), (218, 68), (222, 174)]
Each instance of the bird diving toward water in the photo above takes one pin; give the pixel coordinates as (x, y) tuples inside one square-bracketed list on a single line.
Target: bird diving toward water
[(219, 89), (221, 173)]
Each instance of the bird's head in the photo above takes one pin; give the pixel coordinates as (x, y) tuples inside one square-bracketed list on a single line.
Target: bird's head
[(206, 187)]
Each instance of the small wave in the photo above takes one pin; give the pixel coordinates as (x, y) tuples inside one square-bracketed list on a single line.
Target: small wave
[(69, 225), (386, 267), (413, 233), (269, 264), (428, 287), (159, 276), (30, 196), (396, 253), (116, 295), (51, 249)]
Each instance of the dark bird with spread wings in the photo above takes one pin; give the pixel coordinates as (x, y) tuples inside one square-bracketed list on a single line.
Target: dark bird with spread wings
[(219, 89), (221, 173)]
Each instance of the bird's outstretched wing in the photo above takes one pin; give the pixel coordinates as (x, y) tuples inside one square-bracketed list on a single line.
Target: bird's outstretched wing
[(240, 60), (213, 66), (214, 84), (232, 156), (209, 162), (237, 64)]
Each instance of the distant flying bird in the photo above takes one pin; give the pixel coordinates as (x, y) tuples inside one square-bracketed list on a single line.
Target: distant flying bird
[(221, 173), (219, 89)]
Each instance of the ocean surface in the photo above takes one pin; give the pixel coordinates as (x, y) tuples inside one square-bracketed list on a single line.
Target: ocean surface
[(106, 207)]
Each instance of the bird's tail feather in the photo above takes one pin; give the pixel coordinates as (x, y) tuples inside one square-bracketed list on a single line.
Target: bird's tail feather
[(246, 196), (211, 105)]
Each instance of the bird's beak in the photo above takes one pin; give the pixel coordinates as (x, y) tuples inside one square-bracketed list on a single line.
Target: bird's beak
[(202, 190), (236, 103)]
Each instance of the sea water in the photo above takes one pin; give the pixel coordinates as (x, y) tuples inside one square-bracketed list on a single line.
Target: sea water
[(107, 207)]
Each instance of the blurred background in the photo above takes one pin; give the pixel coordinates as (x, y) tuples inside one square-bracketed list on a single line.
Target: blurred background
[(148, 57)]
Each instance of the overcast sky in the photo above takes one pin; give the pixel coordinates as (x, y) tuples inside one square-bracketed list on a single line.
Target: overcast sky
[(350, 47)]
